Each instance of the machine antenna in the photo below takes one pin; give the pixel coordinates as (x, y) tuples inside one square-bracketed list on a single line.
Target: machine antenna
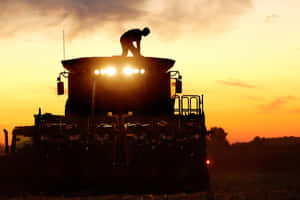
[(64, 48)]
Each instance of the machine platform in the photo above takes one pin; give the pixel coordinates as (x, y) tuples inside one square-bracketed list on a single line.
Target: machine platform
[(148, 63)]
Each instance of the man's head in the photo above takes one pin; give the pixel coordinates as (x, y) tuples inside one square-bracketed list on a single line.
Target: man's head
[(145, 31)]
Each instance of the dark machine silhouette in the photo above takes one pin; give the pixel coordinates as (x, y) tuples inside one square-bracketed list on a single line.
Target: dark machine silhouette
[(127, 129)]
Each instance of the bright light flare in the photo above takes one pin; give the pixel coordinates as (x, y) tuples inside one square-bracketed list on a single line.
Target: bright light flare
[(128, 71), (111, 71), (96, 72), (142, 71), (208, 162), (136, 71)]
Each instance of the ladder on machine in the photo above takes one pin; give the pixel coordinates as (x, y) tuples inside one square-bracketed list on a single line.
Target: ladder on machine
[(188, 105)]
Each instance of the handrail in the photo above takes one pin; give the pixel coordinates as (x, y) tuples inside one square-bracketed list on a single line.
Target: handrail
[(177, 110), (188, 105)]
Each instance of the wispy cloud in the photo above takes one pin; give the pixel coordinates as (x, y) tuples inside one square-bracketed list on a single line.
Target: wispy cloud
[(169, 17), (271, 18), (235, 83), (253, 98), (295, 111), (276, 103), (79, 16)]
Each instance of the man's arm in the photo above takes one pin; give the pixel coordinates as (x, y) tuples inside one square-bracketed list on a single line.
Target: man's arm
[(138, 45)]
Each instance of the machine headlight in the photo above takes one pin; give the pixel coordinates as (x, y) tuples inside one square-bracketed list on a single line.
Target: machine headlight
[(109, 71), (128, 71), (96, 72)]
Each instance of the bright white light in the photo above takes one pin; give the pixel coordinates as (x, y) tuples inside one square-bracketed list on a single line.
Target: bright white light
[(96, 72), (111, 71), (142, 71), (128, 71), (136, 71)]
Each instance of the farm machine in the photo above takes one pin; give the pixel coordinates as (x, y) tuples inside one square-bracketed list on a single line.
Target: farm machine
[(127, 128)]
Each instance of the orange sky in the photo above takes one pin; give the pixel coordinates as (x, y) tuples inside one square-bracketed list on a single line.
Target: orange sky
[(243, 56)]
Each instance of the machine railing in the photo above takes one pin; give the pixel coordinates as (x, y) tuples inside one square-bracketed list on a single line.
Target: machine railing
[(187, 105)]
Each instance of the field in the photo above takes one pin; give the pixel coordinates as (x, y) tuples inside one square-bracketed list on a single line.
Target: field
[(224, 186), (256, 186), (269, 170)]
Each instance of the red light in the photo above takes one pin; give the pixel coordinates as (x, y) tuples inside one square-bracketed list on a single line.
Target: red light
[(208, 162)]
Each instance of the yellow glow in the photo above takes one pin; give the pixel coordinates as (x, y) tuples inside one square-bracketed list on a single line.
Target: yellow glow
[(128, 71), (111, 71), (252, 51), (136, 71), (96, 72)]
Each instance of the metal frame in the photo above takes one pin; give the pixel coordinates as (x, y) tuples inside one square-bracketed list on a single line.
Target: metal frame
[(188, 100)]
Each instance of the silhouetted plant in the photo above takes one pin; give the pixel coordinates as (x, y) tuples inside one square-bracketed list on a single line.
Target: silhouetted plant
[(217, 136)]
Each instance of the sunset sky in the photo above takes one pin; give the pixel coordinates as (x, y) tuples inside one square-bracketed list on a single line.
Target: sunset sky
[(243, 55)]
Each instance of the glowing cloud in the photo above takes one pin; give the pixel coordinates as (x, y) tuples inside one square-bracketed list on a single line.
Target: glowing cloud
[(169, 17), (236, 84), (276, 103)]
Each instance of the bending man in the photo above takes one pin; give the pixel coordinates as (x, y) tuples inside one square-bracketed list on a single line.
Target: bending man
[(134, 35)]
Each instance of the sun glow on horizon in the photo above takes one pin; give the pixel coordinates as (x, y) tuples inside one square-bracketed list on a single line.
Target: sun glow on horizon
[(248, 71)]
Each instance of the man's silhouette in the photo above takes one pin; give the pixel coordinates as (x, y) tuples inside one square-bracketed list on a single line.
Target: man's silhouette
[(134, 35)]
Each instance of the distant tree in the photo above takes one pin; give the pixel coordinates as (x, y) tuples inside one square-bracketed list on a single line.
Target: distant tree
[(257, 140), (217, 136)]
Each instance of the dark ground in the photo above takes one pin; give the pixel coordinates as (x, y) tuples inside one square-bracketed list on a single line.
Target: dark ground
[(239, 185), (259, 170)]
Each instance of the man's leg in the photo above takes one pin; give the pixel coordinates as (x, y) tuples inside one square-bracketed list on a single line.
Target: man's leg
[(133, 50), (124, 49)]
